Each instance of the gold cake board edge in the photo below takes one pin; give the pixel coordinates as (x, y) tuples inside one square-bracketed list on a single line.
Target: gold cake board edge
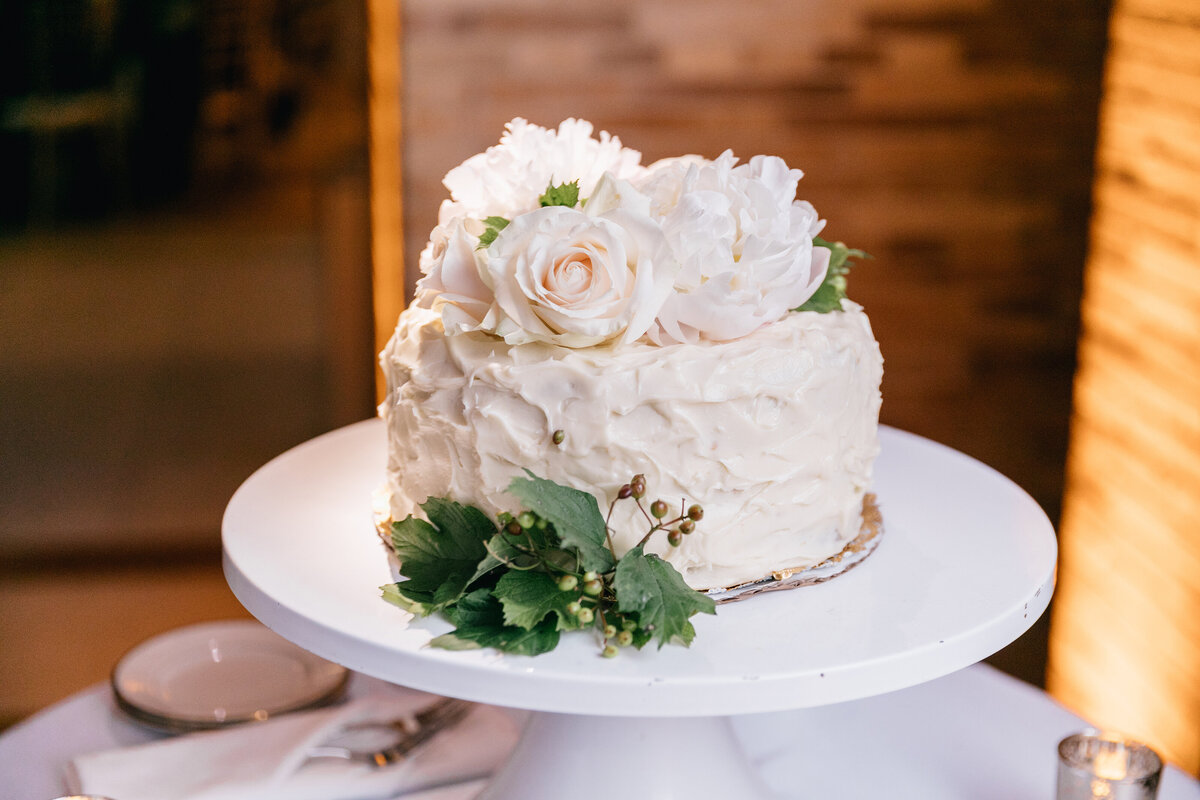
[(854, 553)]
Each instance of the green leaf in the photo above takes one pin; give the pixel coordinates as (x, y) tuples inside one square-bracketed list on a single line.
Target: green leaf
[(492, 228), (418, 603), (479, 617), (440, 557), (565, 194), (832, 291), (502, 551), (527, 597), (575, 516), (652, 589), (449, 641)]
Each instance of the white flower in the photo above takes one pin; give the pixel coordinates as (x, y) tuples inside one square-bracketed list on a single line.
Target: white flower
[(455, 279), (573, 279), (508, 178), (744, 245)]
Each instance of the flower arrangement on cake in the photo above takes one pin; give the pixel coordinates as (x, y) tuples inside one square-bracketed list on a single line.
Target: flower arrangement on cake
[(587, 327)]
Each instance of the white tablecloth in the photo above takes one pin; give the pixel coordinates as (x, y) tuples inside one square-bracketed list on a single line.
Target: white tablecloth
[(977, 734)]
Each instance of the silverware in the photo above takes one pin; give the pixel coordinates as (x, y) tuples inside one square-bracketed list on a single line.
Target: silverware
[(385, 742)]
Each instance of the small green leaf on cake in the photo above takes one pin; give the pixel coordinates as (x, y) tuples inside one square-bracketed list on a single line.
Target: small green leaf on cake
[(440, 557), (492, 228), (479, 621), (575, 516), (832, 291), (654, 591), (564, 194)]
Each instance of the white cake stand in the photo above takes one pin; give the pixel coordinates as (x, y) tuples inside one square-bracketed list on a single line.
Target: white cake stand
[(965, 566)]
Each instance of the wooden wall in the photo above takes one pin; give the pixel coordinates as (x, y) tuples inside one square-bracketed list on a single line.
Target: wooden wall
[(952, 139), (1125, 646)]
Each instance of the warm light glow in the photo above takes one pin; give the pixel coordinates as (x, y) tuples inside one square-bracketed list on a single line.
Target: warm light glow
[(1125, 637), (387, 206), (1111, 763)]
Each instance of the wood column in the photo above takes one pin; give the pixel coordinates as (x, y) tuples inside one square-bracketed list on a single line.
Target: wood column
[(1125, 636)]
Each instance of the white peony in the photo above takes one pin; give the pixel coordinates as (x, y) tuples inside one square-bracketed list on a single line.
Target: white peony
[(574, 279), (506, 180), (743, 243)]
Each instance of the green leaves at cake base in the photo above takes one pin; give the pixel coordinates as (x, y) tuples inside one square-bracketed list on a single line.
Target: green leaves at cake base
[(653, 591), (518, 585)]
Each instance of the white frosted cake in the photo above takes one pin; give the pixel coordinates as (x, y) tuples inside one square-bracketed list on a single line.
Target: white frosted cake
[(587, 319)]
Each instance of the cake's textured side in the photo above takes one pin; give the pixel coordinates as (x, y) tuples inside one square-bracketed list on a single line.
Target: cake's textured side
[(774, 433)]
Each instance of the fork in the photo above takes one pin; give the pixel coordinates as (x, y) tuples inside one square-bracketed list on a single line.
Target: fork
[(400, 736)]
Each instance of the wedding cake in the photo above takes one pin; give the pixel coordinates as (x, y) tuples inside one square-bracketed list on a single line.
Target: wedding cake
[(587, 319)]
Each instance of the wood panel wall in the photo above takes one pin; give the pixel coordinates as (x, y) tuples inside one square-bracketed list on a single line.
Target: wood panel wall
[(1126, 635), (952, 139)]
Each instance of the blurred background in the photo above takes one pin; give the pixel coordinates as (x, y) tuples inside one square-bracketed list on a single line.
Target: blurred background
[(186, 261)]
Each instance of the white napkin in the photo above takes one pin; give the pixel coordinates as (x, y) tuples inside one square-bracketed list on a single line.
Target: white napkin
[(270, 760)]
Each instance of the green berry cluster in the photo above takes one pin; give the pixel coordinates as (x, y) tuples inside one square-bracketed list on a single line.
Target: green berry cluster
[(589, 598), (676, 528)]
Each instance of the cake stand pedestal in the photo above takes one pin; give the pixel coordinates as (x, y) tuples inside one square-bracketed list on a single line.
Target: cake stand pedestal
[(965, 566)]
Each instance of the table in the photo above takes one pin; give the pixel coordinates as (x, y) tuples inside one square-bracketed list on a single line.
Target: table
[(976, 734)]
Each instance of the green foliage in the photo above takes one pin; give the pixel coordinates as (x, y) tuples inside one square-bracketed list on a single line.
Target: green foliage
[(440, 555), (565, 194), (832, 291), (653, 591), (492, 228), (479, 621), (574, 514), (516, 586)]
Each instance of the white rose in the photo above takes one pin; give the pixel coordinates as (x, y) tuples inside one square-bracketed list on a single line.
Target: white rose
[(743, 242), (507, 179), (568, 278), (456, 281)]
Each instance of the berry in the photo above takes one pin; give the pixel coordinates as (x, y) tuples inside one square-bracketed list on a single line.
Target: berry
[(585, 615), (628, 625), (687, 526), (527, 520), (610, 631), (625, 492), (695, 513), (609, 651), (514, 528), (674, 537), (559, 436), (593, 587), (658, 509), (590, 575), (567, 583), (638, 485), (625, 638), (504, 517), (574, 607)]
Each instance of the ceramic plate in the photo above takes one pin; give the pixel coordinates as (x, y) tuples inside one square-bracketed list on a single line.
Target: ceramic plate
[(221, 673)]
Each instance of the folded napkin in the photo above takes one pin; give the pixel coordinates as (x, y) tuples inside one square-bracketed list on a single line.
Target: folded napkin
[(270, 760)]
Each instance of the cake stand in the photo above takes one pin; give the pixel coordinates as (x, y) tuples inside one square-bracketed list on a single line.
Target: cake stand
[(965, 566)]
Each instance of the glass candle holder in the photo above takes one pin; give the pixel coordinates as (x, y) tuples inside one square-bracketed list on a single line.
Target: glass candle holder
[(1105, 766)]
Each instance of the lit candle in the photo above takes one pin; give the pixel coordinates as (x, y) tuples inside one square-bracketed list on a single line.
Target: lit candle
[(1100, 766)]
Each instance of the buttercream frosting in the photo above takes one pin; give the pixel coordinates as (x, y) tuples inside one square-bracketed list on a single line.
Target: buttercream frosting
[(775, 434)]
